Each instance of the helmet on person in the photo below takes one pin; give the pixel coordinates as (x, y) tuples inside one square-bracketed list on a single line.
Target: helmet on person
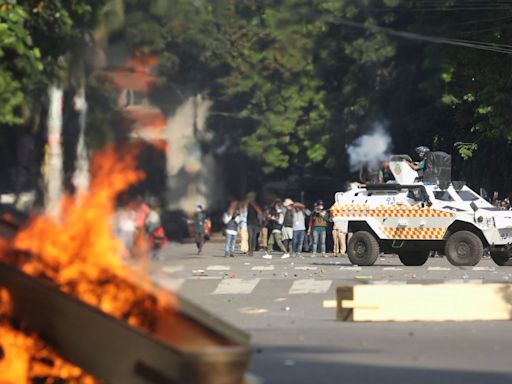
[(422, 151)]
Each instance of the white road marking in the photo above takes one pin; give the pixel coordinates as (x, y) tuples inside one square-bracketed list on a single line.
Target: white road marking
[(236, 287), (388, 282), (205, 278), (172, 268), (392, 269), (252, 310), (172, 284), (484, 269), (218, 268), (263, 268), (306, 268), (439, 269), (350, 268), (309, 286)]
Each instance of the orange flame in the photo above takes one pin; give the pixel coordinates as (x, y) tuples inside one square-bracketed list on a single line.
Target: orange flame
[(80, 240), (77, 249), (23, 358)]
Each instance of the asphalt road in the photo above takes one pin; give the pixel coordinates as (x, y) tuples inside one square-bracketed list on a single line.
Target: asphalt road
[(296, 340)]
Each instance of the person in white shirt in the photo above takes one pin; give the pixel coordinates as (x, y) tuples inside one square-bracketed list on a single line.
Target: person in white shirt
[(299, 228), (231, 219)]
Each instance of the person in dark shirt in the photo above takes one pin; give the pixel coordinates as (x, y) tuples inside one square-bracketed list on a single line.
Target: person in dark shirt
[(199, 222), (385, 175), (253, 221)]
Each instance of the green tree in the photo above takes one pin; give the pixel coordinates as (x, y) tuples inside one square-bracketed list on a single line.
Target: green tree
[(31, 58)]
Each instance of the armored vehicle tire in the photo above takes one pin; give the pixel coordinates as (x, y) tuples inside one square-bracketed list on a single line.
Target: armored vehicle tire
[(363, 249), (464, 248), (500, 258), (413, 258)]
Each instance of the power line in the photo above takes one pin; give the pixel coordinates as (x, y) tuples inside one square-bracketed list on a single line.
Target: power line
[(432, 39), (441, 7), (471, 32), (474, 22)]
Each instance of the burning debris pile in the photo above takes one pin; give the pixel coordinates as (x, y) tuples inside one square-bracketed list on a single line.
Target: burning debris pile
[(77, 252), (26, 359)]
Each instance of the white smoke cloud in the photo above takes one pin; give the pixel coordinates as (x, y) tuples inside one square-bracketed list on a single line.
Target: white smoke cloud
[(370, 149)]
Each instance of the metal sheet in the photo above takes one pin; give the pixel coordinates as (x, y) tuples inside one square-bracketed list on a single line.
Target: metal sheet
[(200, 352)]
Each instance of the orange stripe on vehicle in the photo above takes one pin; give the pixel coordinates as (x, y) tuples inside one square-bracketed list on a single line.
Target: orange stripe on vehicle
[(414, 233), (352, 210)]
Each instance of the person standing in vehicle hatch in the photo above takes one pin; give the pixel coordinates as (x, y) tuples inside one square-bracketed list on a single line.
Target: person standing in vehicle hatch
[(385, 175), (422, 164), (319, 220)]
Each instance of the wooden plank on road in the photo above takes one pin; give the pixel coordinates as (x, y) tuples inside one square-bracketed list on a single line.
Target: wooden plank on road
[(431, 302)]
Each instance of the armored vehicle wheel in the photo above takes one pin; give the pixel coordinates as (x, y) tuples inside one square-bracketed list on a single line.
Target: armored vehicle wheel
[(413, 258), (464, 248), (500, 258), (363, 249)]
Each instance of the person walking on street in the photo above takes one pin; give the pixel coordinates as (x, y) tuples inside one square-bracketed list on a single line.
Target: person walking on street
[(244, 234), (319, 221), (299, 229), (154, 230), (276, 219), (231, 219), (253, 221), (339, 236), (288, 224), (141, 211), (199, 221), (265, 224)]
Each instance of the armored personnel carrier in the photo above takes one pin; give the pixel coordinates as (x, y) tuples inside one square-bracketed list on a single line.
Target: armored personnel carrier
[(418, 214)]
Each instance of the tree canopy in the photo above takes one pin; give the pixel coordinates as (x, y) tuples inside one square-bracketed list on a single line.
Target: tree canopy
[(294, 82), (35, 39)]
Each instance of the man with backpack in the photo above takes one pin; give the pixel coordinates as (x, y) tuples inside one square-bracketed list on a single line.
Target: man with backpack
[(276, 219)]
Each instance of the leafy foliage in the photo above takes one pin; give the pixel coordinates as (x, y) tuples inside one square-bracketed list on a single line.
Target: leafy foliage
[(35, 37), (292, 83)]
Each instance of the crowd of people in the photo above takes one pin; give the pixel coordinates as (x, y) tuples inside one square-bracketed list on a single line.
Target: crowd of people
[(137, 223), (286, 225)]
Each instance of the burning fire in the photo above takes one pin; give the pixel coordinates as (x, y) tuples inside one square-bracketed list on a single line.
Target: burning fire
[(26, 359), (78, 251)]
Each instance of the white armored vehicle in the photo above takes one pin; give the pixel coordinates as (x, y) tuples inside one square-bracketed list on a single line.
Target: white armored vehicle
[(416, 215)]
